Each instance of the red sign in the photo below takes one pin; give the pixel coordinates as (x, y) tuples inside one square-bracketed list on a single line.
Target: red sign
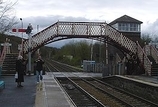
[(21, 30), (18, 30), (13, 30)]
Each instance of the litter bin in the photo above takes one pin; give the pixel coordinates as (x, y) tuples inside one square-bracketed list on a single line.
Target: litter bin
[(105, 71)]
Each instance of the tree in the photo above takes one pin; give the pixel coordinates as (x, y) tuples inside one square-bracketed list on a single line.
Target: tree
[(83, 50), (7, 19), (146, 38), (77, 50)]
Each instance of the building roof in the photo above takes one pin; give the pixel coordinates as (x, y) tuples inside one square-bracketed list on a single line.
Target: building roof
[(127, 19)]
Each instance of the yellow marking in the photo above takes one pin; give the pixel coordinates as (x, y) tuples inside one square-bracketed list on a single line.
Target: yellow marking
[(40, 96), (39, 87)]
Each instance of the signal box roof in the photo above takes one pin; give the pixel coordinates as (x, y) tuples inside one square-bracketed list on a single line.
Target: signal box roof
[(126, 19)]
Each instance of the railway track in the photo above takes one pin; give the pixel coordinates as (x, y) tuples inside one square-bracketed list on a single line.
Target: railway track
[(79, 96), (81, 89), (60, 67), (124, 98)]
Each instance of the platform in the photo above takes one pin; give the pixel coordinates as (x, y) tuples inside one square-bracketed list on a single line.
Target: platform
[(47, 93), (50, 94), (12, 96), (150, 80)]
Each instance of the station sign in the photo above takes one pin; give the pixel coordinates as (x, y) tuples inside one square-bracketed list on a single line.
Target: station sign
[(18, 30)]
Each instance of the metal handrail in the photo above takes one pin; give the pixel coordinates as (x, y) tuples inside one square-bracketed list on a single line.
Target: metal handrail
[(144, 59), (3, 55), (154, 53), (151, 51)]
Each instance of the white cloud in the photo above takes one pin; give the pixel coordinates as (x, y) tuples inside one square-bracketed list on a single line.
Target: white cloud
[(45, 13), (91, 9), (151, 28)]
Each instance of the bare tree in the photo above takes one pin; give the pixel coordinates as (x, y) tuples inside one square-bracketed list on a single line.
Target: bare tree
[(7, 19), (146, 38)]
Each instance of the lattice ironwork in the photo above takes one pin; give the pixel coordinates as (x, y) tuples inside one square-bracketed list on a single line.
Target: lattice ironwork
[(64, 30)]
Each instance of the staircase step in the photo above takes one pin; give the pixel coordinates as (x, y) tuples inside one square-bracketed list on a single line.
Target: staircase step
[(154, 74), (9, 64)]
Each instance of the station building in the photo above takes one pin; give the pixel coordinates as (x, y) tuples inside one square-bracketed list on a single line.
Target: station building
[(128, 26)]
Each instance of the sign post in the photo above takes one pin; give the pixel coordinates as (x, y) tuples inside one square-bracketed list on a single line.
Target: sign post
[(28, 31), (29, 54)]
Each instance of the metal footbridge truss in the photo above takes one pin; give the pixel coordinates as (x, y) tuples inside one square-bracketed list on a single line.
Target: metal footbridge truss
[(96, 30)]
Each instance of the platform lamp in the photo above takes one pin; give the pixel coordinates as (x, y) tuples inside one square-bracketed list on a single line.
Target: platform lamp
[(22, 37)]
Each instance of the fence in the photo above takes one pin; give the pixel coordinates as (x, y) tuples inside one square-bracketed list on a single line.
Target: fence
[(117, 69)]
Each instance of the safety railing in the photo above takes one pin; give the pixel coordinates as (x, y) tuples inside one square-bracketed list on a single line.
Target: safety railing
[(151, 51), (121, 39), (144, 59), (154, 53), (3, 54), (118, 59)]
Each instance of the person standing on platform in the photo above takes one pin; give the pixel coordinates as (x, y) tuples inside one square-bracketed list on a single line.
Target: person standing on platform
[(39, 68), (20, 67)]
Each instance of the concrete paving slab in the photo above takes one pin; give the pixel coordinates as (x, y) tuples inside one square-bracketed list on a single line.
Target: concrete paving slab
[(12, 96), (53, 95)]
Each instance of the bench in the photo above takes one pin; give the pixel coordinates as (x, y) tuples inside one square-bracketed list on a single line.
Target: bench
[(2, 84)]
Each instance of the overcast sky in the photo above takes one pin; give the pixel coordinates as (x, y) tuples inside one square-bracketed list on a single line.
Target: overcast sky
[(46, 12)]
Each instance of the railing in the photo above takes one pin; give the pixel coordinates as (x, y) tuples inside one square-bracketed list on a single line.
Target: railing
[(132, 46), (2, 57), (121, 39), (144, 59), (147, 49), (118, 59), (152, 51)]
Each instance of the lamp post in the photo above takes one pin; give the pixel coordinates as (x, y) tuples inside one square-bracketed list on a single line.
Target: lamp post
[(21, 37)]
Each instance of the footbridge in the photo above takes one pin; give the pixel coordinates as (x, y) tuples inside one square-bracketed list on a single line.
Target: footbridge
[(92, 30)]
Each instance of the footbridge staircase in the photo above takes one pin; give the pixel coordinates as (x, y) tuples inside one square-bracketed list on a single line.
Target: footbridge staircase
[(152, 53), (96, 30)]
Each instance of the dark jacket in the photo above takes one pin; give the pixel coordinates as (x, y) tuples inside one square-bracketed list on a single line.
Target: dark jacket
[(20, 67), (39, 64)]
